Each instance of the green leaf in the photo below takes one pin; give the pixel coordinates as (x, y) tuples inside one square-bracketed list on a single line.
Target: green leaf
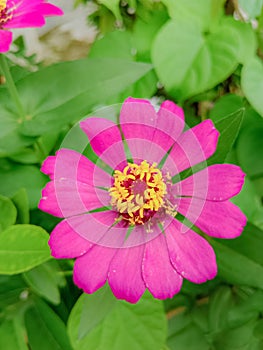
[(76, 87), (237, 268), (20, 200), (126, 326), (249, 244), (228, 128), (189, 62), (45, 329), (22, 247), (12, 335), (14, 177), (249, 150), (11, 288), (185, 334), (11, 141), (249, 201), (240, 338), (219, 306), (118, 44), (113, 6), (8, 213), (203, 12), (258, 331), (42, 280), (252, 83), (92, 313), (226, 105), (248, 308)]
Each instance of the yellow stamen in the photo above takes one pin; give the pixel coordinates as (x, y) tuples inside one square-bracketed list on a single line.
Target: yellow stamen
[(138, 192), (2, 4)]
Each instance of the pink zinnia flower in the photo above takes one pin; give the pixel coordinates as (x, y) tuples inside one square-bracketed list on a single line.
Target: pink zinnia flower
[(123, 226), (22, 14)]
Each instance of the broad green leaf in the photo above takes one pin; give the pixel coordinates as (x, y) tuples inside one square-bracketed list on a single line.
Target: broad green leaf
[(12, 335), (22, 247), (252, 83), (126, 326), (42, 280), (8, 213), (228, 128), (247, 40), (14, 177), (203, 12), (118, 44), (189, 62), (149, 26), (92, 313), (45, 329), (20, 200), (76, 87), (251, 7), (249, 150)]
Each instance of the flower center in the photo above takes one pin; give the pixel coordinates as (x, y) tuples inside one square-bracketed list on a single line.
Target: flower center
[(138, 192), (6, 12)]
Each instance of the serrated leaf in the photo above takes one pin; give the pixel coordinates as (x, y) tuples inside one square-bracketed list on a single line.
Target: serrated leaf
[(22, 247), (126, 326)]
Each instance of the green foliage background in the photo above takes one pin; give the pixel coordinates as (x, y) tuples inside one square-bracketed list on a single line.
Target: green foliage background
[(205, 55)]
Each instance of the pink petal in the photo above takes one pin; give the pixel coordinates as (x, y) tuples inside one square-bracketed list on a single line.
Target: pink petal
[(217, 219), (72, 165), (125, 274), (65, 243), (159, 275), (194, 146), (91, 270), (5, 40), (105, 139), (49, 10), (216, 182), (190, 254), (100, 228), (31, 19), (65, 197), (170, 124)]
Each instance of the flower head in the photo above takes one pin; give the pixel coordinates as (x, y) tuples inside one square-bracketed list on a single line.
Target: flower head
[(130, 225), (22, 14)]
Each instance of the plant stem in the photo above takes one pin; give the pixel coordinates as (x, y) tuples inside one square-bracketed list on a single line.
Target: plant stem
[(11, 86)]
